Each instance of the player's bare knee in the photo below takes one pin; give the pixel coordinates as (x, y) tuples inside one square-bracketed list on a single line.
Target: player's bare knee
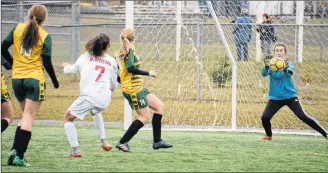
[(160, 108), (10, 118), (68, 117), (144, 119)]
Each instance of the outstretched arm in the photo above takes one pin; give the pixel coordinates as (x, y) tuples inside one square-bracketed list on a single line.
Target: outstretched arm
[(68, 68), (131, 66)]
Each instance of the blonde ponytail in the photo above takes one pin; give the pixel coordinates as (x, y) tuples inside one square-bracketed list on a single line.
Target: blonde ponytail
[(127, 37)]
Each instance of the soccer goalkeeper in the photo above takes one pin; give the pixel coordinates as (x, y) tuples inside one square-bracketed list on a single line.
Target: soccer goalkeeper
[(283, 93)]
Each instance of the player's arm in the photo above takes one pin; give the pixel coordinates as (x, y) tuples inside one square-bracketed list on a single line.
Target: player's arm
[(5, 63), (68, 68), (131, 66), (289, 70), (265, 71), (46, 57), (5, 45)]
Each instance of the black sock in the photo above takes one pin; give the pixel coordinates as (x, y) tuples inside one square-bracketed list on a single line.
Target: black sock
[(157, 127), (24, 139), (4, 125), (16, 137), (133, 129)]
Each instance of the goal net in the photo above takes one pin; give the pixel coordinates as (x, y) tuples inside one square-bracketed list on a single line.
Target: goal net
[(199, 78), (195, 77)]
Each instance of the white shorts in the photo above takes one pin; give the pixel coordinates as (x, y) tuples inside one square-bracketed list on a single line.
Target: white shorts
[(81, 107)]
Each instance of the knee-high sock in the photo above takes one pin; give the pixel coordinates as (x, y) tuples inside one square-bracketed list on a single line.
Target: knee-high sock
[(71, 134)]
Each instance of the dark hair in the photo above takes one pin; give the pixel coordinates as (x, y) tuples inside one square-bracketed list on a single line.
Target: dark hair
[(36, 15), (98, 44), (266, 16)]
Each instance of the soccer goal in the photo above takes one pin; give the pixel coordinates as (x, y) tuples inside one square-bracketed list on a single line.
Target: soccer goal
[(192, 47)]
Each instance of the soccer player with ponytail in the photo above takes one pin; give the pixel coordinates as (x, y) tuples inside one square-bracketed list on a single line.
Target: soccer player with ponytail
[(98, 80), (32, 54), (140, 99)]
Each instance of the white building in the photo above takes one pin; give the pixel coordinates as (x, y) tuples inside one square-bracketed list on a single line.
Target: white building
[(272, 7)]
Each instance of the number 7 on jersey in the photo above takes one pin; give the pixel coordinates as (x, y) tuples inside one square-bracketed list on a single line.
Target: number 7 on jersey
[(102, 71)]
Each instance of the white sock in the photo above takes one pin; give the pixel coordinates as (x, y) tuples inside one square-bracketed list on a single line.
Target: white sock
[(100, 126), (71, 134)]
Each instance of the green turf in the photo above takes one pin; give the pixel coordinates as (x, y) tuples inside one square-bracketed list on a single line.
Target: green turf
[(192, 151)]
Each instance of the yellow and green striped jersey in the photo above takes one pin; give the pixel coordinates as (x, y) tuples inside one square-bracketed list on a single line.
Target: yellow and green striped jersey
[(3, 85), (131, 84)]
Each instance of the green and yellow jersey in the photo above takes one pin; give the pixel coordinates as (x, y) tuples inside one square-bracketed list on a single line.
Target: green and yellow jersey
[(130, 83), (28, 63)]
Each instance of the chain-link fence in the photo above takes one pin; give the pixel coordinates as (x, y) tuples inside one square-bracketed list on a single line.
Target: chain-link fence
[(72, 23)]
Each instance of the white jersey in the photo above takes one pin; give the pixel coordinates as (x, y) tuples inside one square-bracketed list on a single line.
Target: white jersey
[(98, 78)]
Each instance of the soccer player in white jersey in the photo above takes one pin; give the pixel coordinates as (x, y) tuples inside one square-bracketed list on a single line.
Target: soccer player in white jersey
[(98, 79)]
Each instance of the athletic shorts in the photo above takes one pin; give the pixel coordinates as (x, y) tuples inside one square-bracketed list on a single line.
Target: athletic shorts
[(81, 107), (138, 100), (29, 88)]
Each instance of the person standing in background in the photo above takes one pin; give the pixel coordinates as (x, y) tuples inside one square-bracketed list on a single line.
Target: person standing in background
[(243, 34)]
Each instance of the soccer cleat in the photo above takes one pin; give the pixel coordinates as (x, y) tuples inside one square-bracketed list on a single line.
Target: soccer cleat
[(12, 156), (75, 155), (20, 162), (123, 147), (105, 145), (76, 152), (161, 144), (269, 138)]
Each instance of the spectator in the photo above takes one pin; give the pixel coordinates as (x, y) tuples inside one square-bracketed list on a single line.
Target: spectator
[(267, 35), (243, 34)]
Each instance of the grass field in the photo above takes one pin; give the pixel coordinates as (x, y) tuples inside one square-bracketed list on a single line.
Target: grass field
[(192, 151)]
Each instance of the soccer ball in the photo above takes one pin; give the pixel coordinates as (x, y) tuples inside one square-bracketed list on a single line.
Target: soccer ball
[(277, 64)]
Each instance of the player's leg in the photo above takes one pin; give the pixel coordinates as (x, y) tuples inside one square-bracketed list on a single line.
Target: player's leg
[(79, 109), (30, 93), (141, 107), (20, 94), (71, 134), (24, 136), (100, 126), (270, 110), (157, 105), (13, 152), (295, 105), (7, 111), (143, 118)]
